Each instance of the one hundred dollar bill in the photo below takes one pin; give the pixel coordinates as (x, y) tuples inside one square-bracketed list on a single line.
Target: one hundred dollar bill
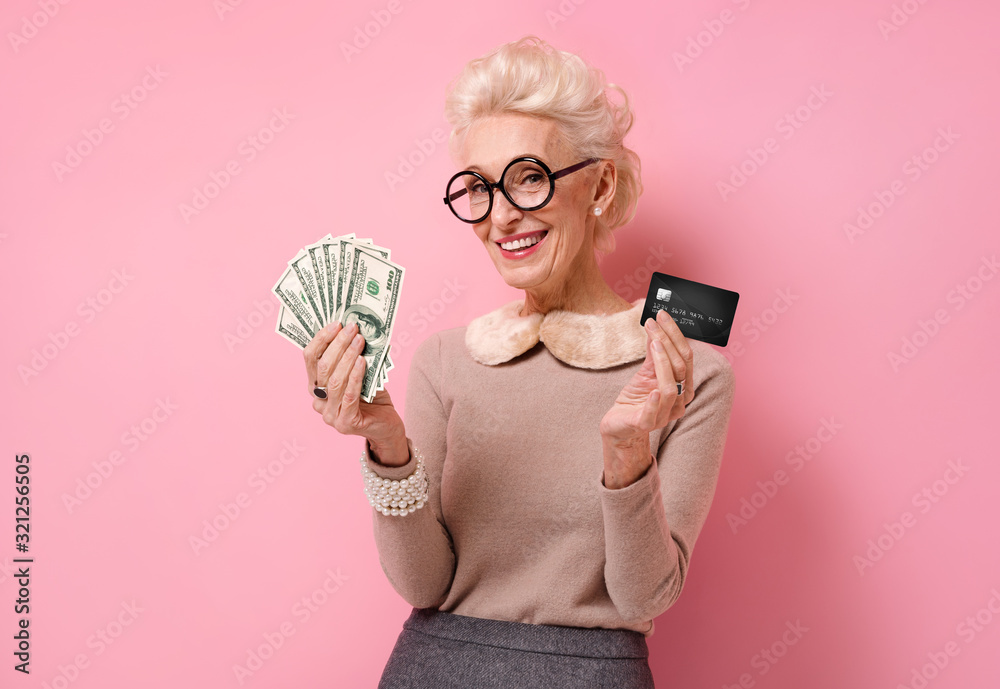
[(371, 300), (302, 264), (317, 257), (345, 270), (342, 243), (331, 267), (289, 328), (292, 294)]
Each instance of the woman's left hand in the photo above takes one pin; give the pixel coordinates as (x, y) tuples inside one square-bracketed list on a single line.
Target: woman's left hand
[(650, 400)]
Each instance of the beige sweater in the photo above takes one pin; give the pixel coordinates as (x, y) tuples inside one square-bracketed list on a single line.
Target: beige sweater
[(519, 525)]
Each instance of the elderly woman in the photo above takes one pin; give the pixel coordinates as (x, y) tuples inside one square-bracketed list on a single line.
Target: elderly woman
[(541, 503)]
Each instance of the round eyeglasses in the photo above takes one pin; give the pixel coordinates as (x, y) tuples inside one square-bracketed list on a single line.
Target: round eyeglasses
[(526, 182)]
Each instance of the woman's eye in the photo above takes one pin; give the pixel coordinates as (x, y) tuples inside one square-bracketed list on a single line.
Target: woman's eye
[(478, 189)]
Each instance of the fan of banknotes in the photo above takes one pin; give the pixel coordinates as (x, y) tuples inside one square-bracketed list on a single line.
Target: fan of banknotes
[(347, 279)]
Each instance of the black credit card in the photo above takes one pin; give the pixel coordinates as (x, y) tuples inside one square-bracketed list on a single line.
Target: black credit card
[(702, 312)]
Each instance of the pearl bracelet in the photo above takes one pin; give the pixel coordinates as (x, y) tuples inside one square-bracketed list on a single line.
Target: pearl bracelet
[(396, 498)]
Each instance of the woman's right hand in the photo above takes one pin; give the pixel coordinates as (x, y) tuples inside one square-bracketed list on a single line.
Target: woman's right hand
[(333, 359)]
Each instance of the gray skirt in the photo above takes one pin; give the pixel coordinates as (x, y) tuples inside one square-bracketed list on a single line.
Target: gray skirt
[(441, 650)]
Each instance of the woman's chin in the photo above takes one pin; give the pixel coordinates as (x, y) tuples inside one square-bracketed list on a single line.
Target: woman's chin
[(523, 274), (520, 278)]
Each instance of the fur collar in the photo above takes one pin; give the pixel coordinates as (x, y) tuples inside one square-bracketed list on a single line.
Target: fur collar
[(577, 339)]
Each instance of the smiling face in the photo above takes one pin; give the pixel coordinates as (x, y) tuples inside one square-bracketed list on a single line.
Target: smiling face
[(566, 244)]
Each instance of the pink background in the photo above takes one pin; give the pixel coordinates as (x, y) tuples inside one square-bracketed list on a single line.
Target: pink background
[(186, 329)]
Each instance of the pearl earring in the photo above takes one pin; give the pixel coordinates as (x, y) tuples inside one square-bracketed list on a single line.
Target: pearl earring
[(597, 211)]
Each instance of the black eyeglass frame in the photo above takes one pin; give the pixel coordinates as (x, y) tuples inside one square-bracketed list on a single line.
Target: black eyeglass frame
[(490, 186)]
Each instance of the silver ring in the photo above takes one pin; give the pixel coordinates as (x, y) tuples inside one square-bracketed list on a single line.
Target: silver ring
[(319, 392)]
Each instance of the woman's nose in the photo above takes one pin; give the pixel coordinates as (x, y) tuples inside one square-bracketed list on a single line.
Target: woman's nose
[(504, 213)]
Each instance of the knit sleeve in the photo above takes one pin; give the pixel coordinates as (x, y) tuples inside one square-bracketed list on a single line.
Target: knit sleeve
[(650, 526), (416, 550)]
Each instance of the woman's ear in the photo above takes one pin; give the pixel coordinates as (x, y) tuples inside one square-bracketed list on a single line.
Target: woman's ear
[(607, 182)]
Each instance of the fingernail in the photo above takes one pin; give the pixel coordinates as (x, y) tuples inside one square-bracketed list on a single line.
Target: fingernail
[(657, 345), (356, 342)]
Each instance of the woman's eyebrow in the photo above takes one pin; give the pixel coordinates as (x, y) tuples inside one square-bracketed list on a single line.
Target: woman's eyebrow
[(476, 168)]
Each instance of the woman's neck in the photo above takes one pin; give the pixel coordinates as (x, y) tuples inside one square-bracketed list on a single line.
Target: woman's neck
[(586, 293)]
